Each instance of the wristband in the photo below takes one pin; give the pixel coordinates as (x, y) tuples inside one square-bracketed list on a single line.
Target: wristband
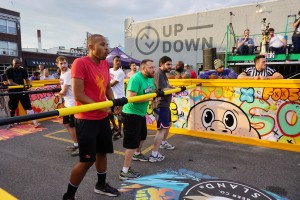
[(160, 93)]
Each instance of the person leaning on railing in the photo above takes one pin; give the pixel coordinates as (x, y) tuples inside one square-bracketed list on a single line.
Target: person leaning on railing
[(260, 70), (219, 73)]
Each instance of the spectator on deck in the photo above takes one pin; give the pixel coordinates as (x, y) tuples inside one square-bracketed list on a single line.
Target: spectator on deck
[(296, 35), (277, 43), (245, 44)]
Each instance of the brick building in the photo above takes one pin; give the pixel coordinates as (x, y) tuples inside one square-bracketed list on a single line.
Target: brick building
[(11, 46), (10, 38)]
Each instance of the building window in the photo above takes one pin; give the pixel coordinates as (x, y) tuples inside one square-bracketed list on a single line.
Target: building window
[(7, 26), (8, 48)]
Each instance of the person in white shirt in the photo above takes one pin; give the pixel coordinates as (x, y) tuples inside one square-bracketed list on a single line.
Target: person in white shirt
[(67, 94), (47, 76), (277, 43), (117, 85)]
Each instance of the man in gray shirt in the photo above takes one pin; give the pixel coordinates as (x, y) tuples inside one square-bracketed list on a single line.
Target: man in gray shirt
[(162, 110)]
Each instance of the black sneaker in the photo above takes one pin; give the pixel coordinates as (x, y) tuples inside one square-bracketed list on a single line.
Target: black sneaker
[(106, 190), (114, 130), (66, 197), (117, 136), (129, 175), (140, 157)]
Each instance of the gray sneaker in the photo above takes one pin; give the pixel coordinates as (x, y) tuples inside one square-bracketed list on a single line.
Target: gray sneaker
[(158, 158), (71, 148), (140, 157), (75, 153), (129, 175), (167, 146)]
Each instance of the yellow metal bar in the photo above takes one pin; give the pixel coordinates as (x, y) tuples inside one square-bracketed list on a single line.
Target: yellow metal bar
[(106, 104), (84, 108), (178, 89), (6, 196), (141, 97), (22, 86)]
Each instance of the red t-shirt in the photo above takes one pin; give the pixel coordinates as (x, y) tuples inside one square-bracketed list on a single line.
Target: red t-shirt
[(193, 74), (95, 77)]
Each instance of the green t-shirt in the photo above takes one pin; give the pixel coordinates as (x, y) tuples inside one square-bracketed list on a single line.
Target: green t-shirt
[(140, 85)]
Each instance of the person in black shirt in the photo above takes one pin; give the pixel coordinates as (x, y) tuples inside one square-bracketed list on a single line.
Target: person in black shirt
[(260, 70), (16, 76)]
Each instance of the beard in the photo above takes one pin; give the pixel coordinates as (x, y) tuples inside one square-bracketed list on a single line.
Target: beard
[(149, 75), (180, 70)]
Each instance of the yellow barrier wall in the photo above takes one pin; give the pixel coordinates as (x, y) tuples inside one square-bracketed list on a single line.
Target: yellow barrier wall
[(43, 102), (256, 112), (268, 110)]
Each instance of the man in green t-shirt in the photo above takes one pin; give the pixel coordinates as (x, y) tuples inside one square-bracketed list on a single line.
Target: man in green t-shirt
[(135, 127)]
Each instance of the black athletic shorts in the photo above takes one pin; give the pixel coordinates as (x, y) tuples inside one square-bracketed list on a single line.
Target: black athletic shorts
[(69, 119), (94, 136), (14, 100), (135, 130)]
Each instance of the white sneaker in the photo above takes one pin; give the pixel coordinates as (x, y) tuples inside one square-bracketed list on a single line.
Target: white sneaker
[(158, 158), (36, 125), (167, 146), (9, 126)]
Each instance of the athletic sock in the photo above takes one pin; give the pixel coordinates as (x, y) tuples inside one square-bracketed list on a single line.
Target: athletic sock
[(101, 178), (154, 154), (125, 169), (71, 190), (30, 112), (137, 153)]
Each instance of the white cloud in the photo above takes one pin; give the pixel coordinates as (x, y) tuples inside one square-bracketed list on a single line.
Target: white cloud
[(65, 22)]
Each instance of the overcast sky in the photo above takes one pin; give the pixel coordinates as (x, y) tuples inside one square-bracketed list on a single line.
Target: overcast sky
[(65, 22)]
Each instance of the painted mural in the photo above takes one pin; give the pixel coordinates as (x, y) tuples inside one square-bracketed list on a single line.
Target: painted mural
[(188, 185), (44, 102), (265, 113), (19, 130)]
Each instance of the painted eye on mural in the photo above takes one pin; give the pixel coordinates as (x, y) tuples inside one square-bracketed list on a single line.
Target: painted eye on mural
[(230, 120), (208, 117)]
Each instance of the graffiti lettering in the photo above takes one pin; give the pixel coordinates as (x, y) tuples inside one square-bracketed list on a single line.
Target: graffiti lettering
[(264, 125), (292, 94), (288, 118)]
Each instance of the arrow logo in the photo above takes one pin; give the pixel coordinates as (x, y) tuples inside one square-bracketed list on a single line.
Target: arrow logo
[(145, 35)]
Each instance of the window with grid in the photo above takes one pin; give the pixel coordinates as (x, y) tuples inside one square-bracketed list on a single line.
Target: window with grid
[(7, 26), (8, 48)]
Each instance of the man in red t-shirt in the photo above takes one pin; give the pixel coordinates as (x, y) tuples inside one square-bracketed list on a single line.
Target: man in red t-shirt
[(90, 84)]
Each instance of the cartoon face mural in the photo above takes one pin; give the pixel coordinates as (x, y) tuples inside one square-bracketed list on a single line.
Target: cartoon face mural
[(219, 116)]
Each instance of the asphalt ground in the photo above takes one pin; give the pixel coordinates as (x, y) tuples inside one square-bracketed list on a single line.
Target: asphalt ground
[(34, 165)]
